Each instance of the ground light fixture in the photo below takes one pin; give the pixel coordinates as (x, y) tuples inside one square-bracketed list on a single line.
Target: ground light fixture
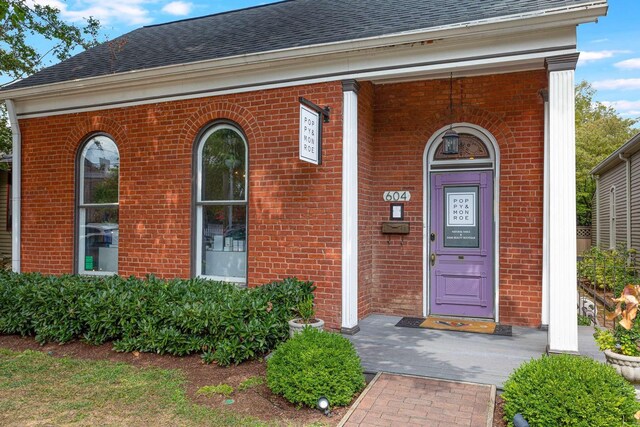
[(323, 405)]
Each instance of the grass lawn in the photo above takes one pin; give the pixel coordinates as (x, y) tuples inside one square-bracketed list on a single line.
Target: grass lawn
[(37, 389)]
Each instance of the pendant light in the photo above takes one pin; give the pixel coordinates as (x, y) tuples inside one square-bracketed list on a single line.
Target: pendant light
[(451, 139)]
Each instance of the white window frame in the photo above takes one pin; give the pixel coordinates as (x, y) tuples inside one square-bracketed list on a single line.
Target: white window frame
[(82, 208), (200, 203)]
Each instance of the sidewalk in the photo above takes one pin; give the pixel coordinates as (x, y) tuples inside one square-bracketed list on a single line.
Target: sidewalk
[(402, 400)]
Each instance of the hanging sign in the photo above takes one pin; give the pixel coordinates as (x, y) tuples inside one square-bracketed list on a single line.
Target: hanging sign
[(461, 217), (311, 119)]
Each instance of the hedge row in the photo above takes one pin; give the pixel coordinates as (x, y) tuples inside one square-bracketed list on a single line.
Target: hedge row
[(223, 322)]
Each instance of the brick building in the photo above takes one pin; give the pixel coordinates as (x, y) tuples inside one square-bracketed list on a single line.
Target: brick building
[(175, 150)]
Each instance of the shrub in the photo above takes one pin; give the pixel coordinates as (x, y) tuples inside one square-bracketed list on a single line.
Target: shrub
[(568, 390), (179, 317), (611, 270), (313, 364)]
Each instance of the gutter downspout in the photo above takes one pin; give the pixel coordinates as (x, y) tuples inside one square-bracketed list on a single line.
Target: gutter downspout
[(16, 185), (628, 196)]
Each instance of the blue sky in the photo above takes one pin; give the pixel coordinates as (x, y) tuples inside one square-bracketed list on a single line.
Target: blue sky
[(610, 57)]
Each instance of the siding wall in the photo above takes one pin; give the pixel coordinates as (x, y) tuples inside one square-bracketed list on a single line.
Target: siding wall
[(5, 235), (614, 177), (635, 201)]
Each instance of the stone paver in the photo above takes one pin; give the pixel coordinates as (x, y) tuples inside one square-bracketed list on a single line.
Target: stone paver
[(402, 400)]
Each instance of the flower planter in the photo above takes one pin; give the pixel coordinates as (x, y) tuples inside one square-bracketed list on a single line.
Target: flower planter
[(627, 366), (296, 325)]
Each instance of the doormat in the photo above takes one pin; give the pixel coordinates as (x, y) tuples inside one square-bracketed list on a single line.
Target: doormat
[(461, 325)]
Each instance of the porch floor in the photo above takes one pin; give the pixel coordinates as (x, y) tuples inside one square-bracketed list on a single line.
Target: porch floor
[(479, 358)]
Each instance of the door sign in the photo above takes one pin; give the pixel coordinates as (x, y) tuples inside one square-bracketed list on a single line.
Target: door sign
[(461, 214)]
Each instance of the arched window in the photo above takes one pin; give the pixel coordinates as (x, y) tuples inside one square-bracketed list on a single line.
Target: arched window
[(221, 204), (97, 198)]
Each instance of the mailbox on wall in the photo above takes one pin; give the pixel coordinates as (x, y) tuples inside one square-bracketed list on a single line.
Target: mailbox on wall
[(395, 227)]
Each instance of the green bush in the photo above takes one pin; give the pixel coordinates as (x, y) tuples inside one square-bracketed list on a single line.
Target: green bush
[(225, 323), (567, 390), (313, 364)]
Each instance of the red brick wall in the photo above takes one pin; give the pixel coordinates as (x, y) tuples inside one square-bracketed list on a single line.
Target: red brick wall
[(294, 207), (406, 116), (366, 227)]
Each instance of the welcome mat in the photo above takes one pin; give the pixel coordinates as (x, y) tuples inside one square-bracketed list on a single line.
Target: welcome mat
[(451, 324)]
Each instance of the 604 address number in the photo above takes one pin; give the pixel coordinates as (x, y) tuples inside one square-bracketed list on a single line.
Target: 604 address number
[(396, 196)]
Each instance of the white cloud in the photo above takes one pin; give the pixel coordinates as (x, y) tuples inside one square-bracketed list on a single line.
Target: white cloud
[(625, 108), (597, 55), (617, 84), (128, 12), (629, 64), (177, 8)]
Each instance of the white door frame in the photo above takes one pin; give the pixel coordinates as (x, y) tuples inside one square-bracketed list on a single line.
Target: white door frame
[(427, 162)]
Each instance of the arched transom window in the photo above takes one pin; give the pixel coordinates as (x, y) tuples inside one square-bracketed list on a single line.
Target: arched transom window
[(98, 205), (221, 204)]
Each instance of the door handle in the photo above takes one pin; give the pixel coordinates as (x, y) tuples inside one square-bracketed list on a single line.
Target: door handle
[(433, 259)]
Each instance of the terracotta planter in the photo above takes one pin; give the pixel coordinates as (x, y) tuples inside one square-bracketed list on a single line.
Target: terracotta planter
[(627, 366), (296, 325)]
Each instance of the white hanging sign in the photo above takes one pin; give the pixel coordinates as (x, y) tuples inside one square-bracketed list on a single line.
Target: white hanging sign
[(310, 135)]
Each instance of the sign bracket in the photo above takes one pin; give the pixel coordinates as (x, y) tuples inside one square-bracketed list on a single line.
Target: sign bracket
[(326, 111)]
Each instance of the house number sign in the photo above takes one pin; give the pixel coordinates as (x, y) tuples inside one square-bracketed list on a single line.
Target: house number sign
[(396, 196)]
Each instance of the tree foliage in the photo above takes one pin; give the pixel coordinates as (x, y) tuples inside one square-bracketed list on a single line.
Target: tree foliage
[(22, 24), (599, 132)]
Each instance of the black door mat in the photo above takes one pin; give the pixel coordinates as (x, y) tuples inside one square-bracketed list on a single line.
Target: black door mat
[(417, 322), (410, 322)]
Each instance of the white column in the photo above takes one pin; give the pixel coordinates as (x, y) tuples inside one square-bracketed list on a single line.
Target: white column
[(350, 207), (16, 186), (563, 324), (545, 226)]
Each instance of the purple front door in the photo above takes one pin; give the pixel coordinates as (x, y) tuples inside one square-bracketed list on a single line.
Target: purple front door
[(461, 244)]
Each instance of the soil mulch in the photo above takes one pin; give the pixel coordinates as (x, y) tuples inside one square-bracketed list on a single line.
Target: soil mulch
[(258, 402), (498, 413)]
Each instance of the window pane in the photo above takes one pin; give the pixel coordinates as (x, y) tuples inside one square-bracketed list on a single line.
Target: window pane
[(223, 166), (224, 240), (101, 165), (99, 239)]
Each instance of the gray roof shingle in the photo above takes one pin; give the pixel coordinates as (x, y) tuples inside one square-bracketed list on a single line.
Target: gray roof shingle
[(274, 26)]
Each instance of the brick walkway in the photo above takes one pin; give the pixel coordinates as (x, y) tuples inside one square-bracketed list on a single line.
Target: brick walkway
[(397, 400)]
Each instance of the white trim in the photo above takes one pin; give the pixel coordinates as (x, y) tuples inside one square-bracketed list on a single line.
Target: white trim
[(563, 326), (16, 187), (545, 222), (350, 210), (487, 54), (494, 155), (567, 16)]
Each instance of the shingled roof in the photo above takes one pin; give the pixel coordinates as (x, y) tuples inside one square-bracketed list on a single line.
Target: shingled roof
[(275, 26)]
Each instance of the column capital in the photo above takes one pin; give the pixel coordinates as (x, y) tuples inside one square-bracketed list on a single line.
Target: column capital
[(562, 62), (350, 85)]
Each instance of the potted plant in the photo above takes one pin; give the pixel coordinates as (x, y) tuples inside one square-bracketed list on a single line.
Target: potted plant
[(620, 346), (306, 317)]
